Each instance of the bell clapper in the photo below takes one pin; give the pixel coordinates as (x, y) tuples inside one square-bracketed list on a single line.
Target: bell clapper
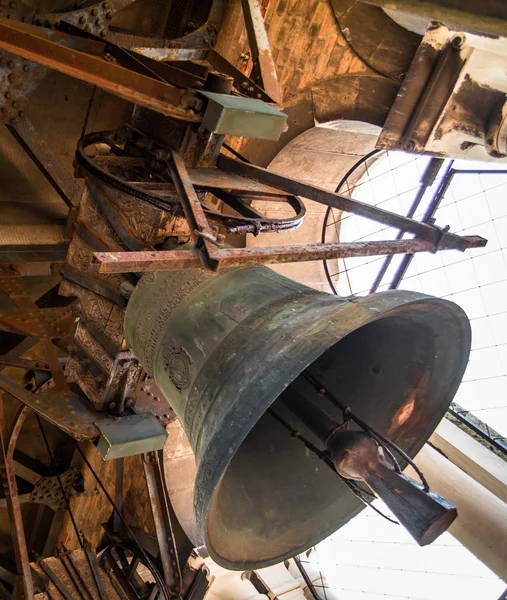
[(366, 456)]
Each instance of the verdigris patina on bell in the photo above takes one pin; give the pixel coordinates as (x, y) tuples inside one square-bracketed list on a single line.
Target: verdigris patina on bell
[(223, 348)]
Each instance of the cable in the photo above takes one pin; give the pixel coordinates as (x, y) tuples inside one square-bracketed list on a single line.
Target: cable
[(156, 573), (236, 153), (62, 490)]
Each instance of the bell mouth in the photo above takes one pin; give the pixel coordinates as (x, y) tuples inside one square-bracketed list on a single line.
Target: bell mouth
[(270, 498)]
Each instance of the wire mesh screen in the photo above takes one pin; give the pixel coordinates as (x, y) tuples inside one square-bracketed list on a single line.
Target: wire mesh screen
[(372, 559), (470, 197)]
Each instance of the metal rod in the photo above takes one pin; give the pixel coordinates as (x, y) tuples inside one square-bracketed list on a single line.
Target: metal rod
[(148, 562), (308, 581), (72, 576), (298, 188), (55, 580), (428, 216), (78, 575), (427, 180), (13, 505), (199, 226), (95, 572), (137, 262), (26, 41), (46, 160), (261, 49), (157, 509)]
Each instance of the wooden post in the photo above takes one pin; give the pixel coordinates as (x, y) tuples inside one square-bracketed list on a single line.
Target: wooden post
[(481, 525)]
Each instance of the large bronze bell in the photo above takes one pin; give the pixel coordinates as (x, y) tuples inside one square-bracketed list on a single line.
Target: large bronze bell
[(223, 349)]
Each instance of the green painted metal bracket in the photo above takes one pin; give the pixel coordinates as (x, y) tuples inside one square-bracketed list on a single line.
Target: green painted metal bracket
[(127, 436), (242, 117)]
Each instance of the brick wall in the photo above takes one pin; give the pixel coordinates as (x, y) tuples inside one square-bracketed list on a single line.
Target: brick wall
[(307, 45), (306, 42)]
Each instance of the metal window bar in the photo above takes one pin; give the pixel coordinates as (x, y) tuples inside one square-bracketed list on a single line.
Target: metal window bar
[(465, 417)]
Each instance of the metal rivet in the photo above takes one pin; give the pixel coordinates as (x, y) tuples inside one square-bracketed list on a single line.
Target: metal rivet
[(95, 12), (82, 20)]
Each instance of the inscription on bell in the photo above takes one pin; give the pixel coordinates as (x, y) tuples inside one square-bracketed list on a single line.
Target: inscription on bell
[(177, 362)]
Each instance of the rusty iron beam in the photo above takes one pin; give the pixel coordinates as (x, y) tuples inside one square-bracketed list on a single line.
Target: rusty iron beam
[(27, 41), (24, 583), (65, 410), (298, 188), (29, 268), (261, 50), (33, 253), (51, 323), (201, 232), (126, 262), (23, 363)]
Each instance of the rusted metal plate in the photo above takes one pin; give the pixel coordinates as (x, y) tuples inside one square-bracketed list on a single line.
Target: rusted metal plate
[(24, 363), (48, 490), (93, 19), (49, 323), (149, 399), (26, 41), (124, 262), (65, 410)]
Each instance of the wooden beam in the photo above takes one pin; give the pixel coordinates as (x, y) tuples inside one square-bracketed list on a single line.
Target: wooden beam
[(468, 454)]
